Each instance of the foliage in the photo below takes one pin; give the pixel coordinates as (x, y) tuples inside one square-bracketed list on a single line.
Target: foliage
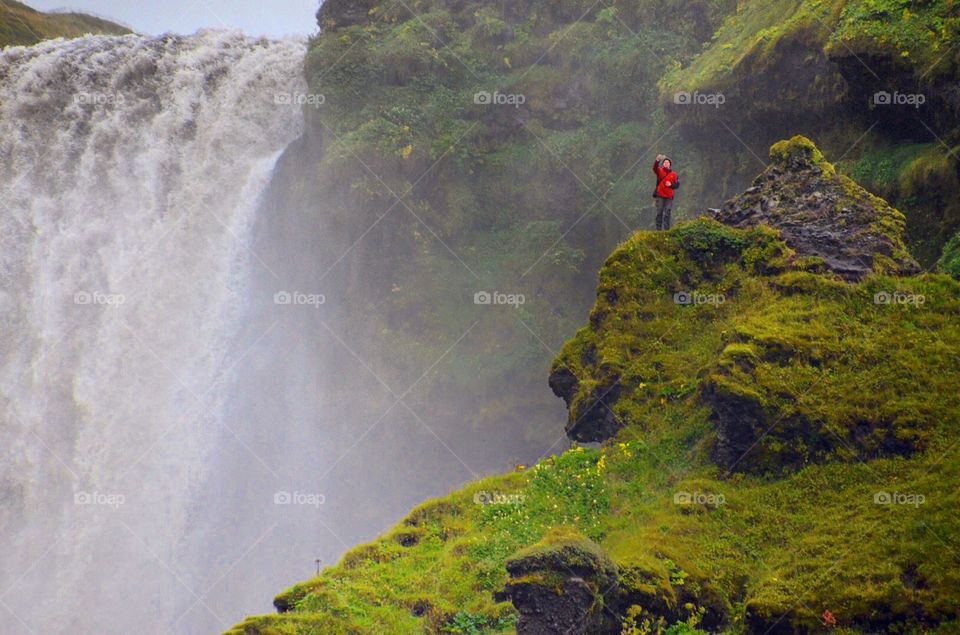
[(759, 548), (22, 26), (950, 261)]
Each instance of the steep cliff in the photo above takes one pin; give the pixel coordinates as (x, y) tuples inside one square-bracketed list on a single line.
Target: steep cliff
[(756, 385), (779, 456)]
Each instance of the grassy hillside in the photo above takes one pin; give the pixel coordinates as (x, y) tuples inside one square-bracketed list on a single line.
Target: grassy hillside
[(839, 515), (517, 138), (22, 26)]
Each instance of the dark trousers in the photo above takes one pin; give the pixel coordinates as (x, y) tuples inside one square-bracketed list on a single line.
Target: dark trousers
[(664, 207)]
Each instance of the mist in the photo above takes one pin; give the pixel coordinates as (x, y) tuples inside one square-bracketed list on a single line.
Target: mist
[(417, 285), (187, 422)]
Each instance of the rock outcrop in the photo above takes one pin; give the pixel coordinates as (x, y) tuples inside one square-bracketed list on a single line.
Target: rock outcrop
[(595, 420), (563, 584), (822, 214)]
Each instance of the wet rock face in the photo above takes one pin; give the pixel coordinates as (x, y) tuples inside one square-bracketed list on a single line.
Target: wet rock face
[(822, 214), (569, 608), (594, 418)]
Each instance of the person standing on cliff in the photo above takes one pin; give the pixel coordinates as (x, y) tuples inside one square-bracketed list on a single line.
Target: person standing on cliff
[(667, 184)]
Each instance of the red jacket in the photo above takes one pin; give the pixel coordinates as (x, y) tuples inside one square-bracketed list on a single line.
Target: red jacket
[(664, 178)]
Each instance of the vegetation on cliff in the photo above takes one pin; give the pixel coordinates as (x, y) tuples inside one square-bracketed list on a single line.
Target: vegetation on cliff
[(777, 445), (779, 455), (870, 79), (22, 26), (466, 148)]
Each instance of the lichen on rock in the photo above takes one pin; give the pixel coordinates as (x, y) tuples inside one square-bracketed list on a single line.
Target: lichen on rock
[(563, 584), (823, 214)]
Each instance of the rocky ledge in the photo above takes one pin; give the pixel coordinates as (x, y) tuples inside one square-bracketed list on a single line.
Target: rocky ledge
[(822, 214)]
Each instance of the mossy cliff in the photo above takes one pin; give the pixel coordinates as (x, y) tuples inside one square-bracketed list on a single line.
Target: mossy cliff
[(464, 147), (22, 26), (455, 149), (873, 80), (779, 455)]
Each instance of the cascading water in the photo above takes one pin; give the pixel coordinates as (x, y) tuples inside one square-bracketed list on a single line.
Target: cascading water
[(130, 174)]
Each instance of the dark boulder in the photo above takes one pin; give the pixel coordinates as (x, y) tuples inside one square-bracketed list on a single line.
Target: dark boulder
[(822, 214), (563, 584)]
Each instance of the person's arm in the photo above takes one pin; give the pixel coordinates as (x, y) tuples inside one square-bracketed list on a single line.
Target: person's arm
[(656, 167)]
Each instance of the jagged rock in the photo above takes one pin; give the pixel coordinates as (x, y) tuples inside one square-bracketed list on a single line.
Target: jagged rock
[(342, 13), (595, 420), (822, 214), (563, 584)]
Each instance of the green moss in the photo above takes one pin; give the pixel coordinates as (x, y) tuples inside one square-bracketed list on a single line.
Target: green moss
[(842, 386), (915, 35), (21, 25), (950, 260), (561, 548), (922, 180), (799, 151), (849, 398)]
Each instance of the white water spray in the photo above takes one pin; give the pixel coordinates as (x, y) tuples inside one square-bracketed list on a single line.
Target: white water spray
[(130, 173)]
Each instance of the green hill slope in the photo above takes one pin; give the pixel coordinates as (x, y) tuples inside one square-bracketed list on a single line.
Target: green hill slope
[(779, 456), (22, 26)]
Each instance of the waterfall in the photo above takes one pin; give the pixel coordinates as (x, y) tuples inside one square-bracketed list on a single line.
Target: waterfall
[(131, 169)]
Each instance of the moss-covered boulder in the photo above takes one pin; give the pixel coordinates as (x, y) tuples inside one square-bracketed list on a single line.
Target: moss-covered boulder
[(822, 214), (563, 584)]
